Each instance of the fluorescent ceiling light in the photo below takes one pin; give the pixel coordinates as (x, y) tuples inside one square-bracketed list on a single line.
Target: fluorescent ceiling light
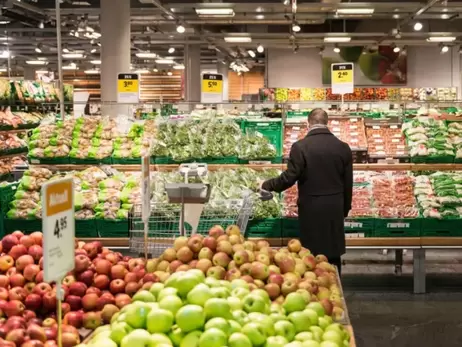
[(42, 71), (179, 67), (165, 61), (418, 26), (95, 62), (36, 62), (142, 71), (169, 73), (355, 11), (73, 55), (4, 38), (5, 54), (444, 49), (212, 12), (171, 50), (251, 53), (92, 72), (441, 39), (146, 55), (3, 22), (238, 39), (337, 39), (70, 67), (180, 29), (3, 69)]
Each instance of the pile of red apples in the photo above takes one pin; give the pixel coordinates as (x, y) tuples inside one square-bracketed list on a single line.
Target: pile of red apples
[(226, 255), (101, 283)]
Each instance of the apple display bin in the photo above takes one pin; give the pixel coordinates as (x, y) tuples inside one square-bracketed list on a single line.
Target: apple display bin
[(269, 228), (25, 225)]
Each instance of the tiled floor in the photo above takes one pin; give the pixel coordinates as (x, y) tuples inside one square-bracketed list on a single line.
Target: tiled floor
[(383, 310)]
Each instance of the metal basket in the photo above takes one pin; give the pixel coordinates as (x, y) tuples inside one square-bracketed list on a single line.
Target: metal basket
[(164, 224)]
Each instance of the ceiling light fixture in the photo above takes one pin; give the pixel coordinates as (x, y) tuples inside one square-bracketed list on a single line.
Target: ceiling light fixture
[(38, 48), (146, 55), (337, 39), (238, 39), (286, 2), (66, 50), (93, 50), (178, 67), (41, 25), (36, 62), (260, 16), (215, 12), (4, 22), (169, 73), (165, 61), (155, 69), (296, 27), (444, 49), (441, 39), (180, 29), (140, 71), (396, 49), (92, 72), (171, 50), (73, 55), (395, 16), (95, 62), (355, 11), (251, 53), (418, 26), (260, 48), (444, 16), (336, 49), (71, 66)]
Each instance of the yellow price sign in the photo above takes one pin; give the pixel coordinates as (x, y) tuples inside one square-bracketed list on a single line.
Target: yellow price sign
[(342, 73), (127, 83), (212, 83)]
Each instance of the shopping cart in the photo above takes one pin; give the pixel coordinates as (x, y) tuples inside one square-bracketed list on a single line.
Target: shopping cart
[(188, 202)]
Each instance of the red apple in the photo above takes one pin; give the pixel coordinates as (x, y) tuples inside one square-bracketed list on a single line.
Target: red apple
[(18, 336), (89, 301), (31, 271), (118, 272), (38, 237), (122, 300), (27, 241), (75, 302), (23, 261), (130, 277), (14, 308), (94, 290), (36, 332), (74, 318), (81, 263), (4, 281), (78, 289), (210, 242), (33, 302), (86, 277), (17, 250), (4, 294), (117, 286), (39, 277), (8, 242), (36, 252), (17, 293), (70, 339), (49, 301), (42, 288), (68, 280), (91, 250), (101, 281), (103, 266), (131, 288)]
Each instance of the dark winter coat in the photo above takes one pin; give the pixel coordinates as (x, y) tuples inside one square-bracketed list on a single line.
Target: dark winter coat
[(323, 167)]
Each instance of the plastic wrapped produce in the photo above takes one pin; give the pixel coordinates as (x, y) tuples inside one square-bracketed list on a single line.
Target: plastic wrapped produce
[(349, 130), (386, 140), (292, 134)]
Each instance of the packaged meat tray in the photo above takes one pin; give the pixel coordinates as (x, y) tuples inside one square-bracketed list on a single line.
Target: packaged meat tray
[(293, 133), (386, 141), (349, 130)]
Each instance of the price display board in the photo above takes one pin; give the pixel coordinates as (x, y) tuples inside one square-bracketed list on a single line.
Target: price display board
[(58, 226), (212, 88), (342, 76), (128, 88)]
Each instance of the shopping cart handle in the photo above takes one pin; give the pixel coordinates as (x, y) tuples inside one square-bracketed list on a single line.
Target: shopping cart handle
[(265, 195)]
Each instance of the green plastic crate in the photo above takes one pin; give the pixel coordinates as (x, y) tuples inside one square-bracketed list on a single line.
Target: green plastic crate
[(290, 228), (162, 160), (2, 225), (112, 228), (14, 151), (6, 196), (277, 160), (264, 228), (25, 225), (441, 227), (90, 161), (126, 161), (391, 227), (48, 161), (362, 226), (85, 228), (271, 129), (446, 159), (224, 160)]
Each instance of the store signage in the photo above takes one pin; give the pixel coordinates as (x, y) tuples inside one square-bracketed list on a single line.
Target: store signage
[(342, 76), (128, 88), (58, 226), (353, 225), (212, 88), (398, 225)]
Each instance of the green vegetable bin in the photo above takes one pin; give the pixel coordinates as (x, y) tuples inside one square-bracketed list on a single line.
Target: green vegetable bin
[(112, 228), (363, 226), (162, 160), (391, 227), (290, 227), (441, 227), (224, 160), (126, 161), (6, 196), (276, 160), (90, 161), (25, 225), (85, 228), (271, 129), (264, 228), (48, 161)]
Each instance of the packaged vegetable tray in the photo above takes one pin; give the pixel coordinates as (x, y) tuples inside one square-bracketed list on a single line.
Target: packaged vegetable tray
[(90, 161), (264, 228), (271, 129)]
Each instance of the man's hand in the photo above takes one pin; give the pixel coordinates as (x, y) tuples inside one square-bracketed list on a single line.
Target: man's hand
[(260, 184)]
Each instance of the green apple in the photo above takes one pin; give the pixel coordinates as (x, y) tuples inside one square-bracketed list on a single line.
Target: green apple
[(137, 338), (213, 337), (101, 336), (277, 317), (159, 321), (106, 342), (234, 303), (324, 322), (240, 292), (317, 307), (160, 339), (220, 292), (329, 344), (333, 336), (119, 330), (310, 343), (219, 323), (266, 321), (239, 340), (198, 273), (186, 283), (294, 344), (191, 339), (262, 293), (165, 292), (199, 295), (239, 283), (240, 317), (254, 303), (101, 329), (276, 341), (284, 328), (171, 280), (235, 326), (304, 335), (317, 333), (276, 308), (225, 284), (212, 282), (337, 327), (145, 296), (294, 302), (190, 317), (136, 316), (156, 288), (313, 316), (217, 307), (171, 303), (115, 316), (301, 321), (176, 336), (255, 332)]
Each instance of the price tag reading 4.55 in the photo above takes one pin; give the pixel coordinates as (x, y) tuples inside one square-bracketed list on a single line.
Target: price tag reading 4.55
[(58, 225), (342, 76)]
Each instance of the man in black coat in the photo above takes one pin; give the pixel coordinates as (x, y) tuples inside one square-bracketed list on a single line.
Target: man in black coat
[(323, 167)]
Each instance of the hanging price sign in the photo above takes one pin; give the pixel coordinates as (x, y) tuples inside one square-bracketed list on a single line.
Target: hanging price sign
[(58, 225), (342, 76), (212, 88), (128, 88)]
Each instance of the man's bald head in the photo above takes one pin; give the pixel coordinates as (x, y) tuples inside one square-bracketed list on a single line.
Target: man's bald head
[(317, 116)]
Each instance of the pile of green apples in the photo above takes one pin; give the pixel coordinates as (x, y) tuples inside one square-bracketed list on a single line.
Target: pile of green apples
[(190, 310)]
